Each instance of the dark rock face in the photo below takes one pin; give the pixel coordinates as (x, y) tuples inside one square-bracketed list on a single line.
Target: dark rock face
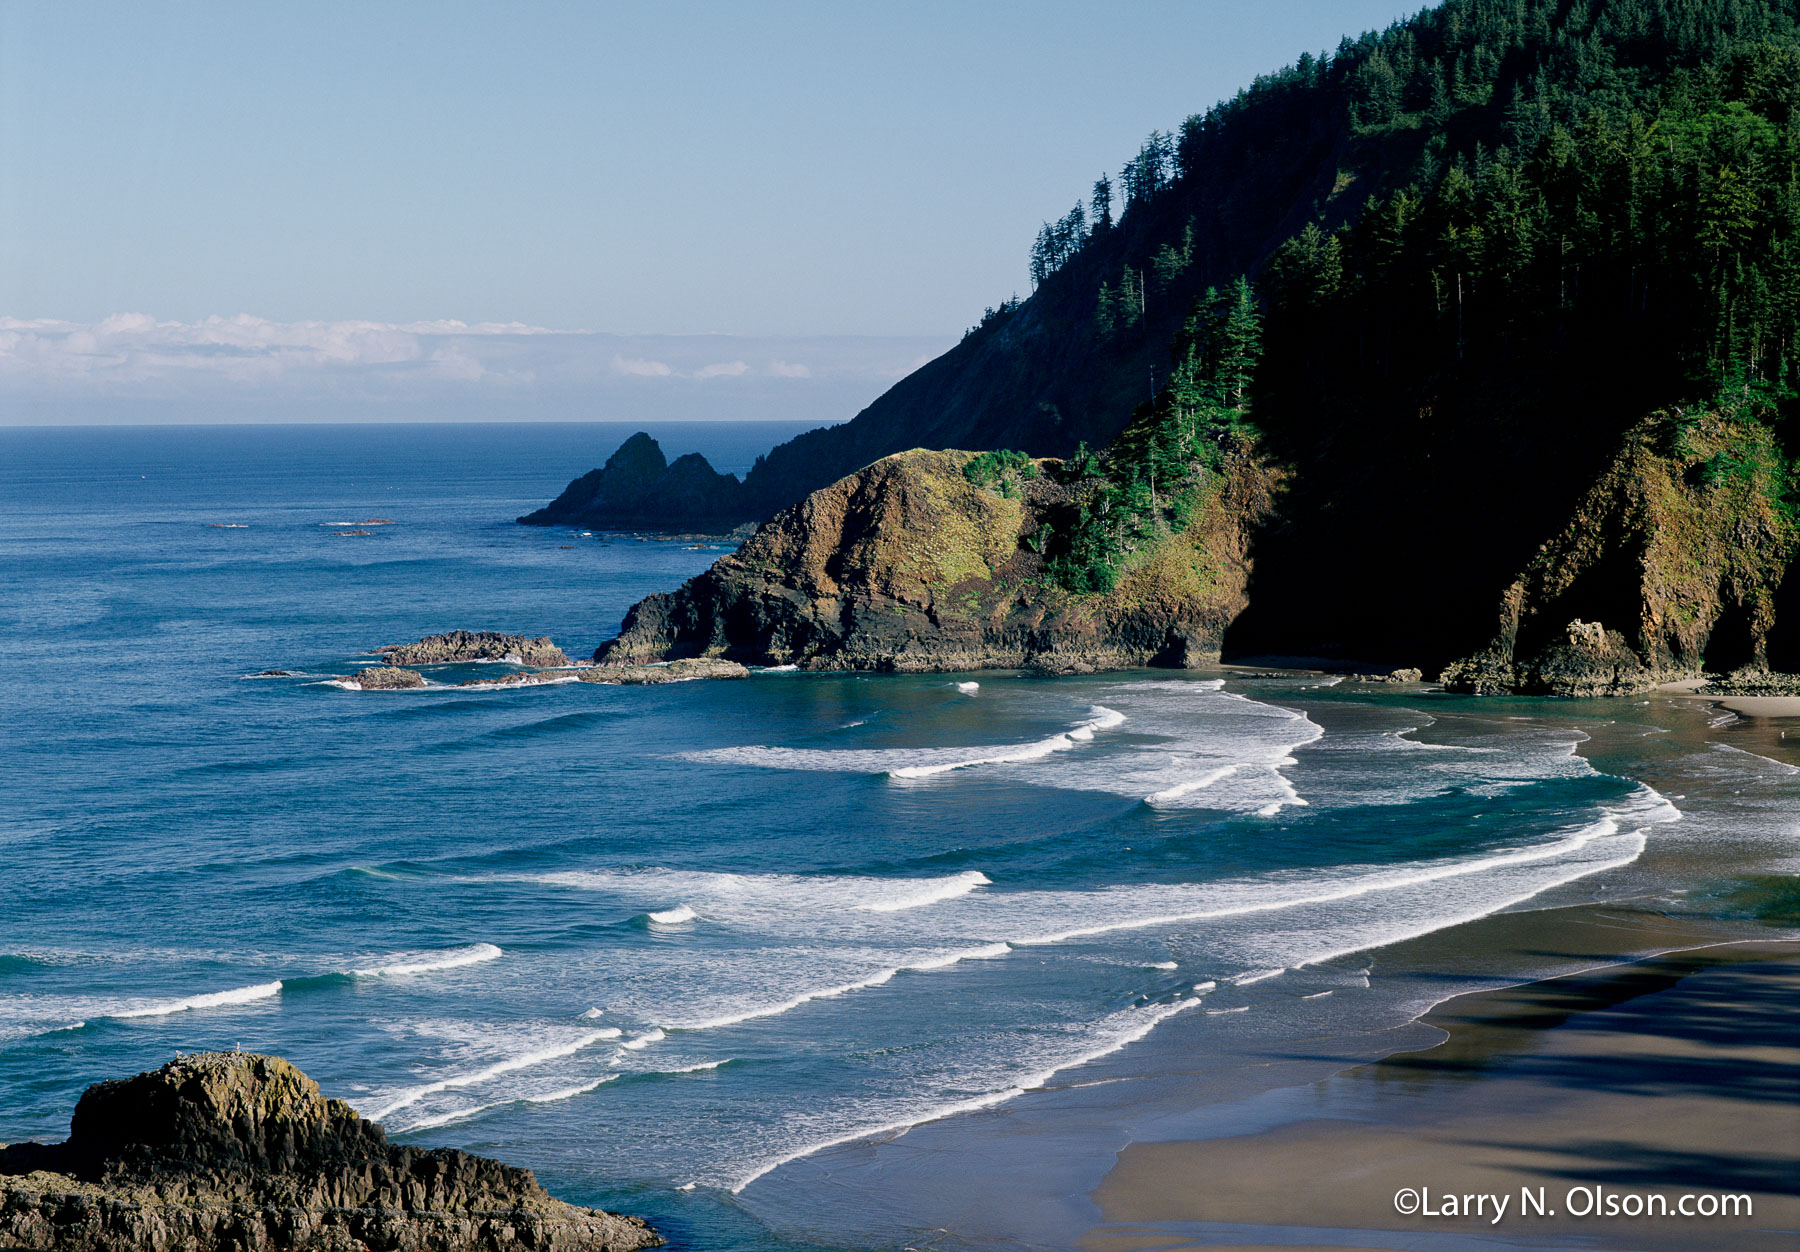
[(476, 645), (1664, 572), (908, 566), (225, 1151), (637, 489)]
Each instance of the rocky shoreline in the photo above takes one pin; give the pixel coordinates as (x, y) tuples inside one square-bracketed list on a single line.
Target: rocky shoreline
[(222, 1151)]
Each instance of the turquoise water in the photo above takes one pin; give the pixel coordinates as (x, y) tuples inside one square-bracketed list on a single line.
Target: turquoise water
[(656, 942)]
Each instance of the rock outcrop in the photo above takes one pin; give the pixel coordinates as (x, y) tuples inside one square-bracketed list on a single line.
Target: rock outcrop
[(622, 675), (638, 489), (1670, 568), (907, 565), (476, 645), (384, 678), (230, 1151)]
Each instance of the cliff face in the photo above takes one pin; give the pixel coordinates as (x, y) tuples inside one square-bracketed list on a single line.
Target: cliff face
[(1674, 563), (638, 488), (233, 1150), (907, 565)]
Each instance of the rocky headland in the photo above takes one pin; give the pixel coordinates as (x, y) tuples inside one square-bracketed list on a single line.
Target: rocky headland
[(1673, 566), (912, 565), (465, 646), (230, 1151)]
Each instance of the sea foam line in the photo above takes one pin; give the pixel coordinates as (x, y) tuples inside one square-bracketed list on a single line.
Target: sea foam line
[(985, 952), (1103, 719), (454, 958), (463, 1115), (1114, 1044), (1608, 825), (413, 1095), (207, 1000)]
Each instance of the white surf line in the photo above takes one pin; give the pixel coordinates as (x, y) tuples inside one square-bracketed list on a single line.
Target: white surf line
[(1103, 719), (463, 1115), (826, 993), (939, 890), (454, 958), (979, 1102), (1607, 825), (207, 1000), (524, 1061)]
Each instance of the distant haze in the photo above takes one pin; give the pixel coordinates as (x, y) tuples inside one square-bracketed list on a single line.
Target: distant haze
[(134, 368), (218, 211)]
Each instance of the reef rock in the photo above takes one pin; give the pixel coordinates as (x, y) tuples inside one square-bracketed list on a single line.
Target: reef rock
[(385, 678), (1672, 566), (907, 565), (476, 645), (638, 489), (227, 1151)]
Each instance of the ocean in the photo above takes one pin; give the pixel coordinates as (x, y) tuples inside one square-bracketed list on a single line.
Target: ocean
[(675, 947)]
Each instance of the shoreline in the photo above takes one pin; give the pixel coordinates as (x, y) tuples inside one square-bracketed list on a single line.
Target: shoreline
[(1658, 1075), (1048, 1153)]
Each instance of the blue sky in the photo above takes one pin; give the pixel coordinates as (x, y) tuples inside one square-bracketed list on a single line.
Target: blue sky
[(771, 169)]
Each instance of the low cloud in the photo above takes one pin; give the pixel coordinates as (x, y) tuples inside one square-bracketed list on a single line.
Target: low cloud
[(136, 367)]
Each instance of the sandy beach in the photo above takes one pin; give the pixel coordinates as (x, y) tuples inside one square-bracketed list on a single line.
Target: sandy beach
[(1678, 1075)]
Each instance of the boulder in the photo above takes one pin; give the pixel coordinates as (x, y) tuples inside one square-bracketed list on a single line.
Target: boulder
[(385, 678), (230, 1150)]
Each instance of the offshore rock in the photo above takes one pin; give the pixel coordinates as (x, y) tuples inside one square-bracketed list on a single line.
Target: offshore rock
[(384, 678), (476, 645), (1673, 566), (673, 672), (908, 566), (226, 1151), (638, 489)]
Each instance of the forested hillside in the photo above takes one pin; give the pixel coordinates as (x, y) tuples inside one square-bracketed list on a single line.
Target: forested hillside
[(1437, 274)]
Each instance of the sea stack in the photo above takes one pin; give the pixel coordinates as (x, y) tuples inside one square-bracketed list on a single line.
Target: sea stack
[(232, 1150)]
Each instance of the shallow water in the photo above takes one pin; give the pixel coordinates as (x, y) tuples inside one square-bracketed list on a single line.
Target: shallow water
[(657, 942)]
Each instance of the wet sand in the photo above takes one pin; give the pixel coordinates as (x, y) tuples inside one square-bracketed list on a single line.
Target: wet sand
[(1678, 1074)]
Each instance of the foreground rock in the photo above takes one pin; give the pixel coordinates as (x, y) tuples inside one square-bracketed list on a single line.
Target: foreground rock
[(234, 1151), (1671, 567), (384, 678), (638, 489), (907, 565), (462, 646)]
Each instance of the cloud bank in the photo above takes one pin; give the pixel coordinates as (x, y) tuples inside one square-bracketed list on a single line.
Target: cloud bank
[(132, 367)]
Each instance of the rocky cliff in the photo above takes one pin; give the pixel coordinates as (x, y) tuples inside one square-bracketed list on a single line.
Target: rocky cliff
[(909, 565), (231, 1151), (1674, 564), (639, 489)]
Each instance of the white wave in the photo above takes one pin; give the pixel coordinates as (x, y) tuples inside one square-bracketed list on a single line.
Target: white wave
[(939, 889), (1317, 995), (507, 1065), (1242, 1008), (454, 1116), (644, 1040), (1256, 976), (1113, 1043), (208, 1000), (880, 977), (913, 763), (968, 689), (422, 963), (1163, 965), (701, 1068), (1103, 719), (1201, 988), (775, 669), (787, 901), (673, 917)]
